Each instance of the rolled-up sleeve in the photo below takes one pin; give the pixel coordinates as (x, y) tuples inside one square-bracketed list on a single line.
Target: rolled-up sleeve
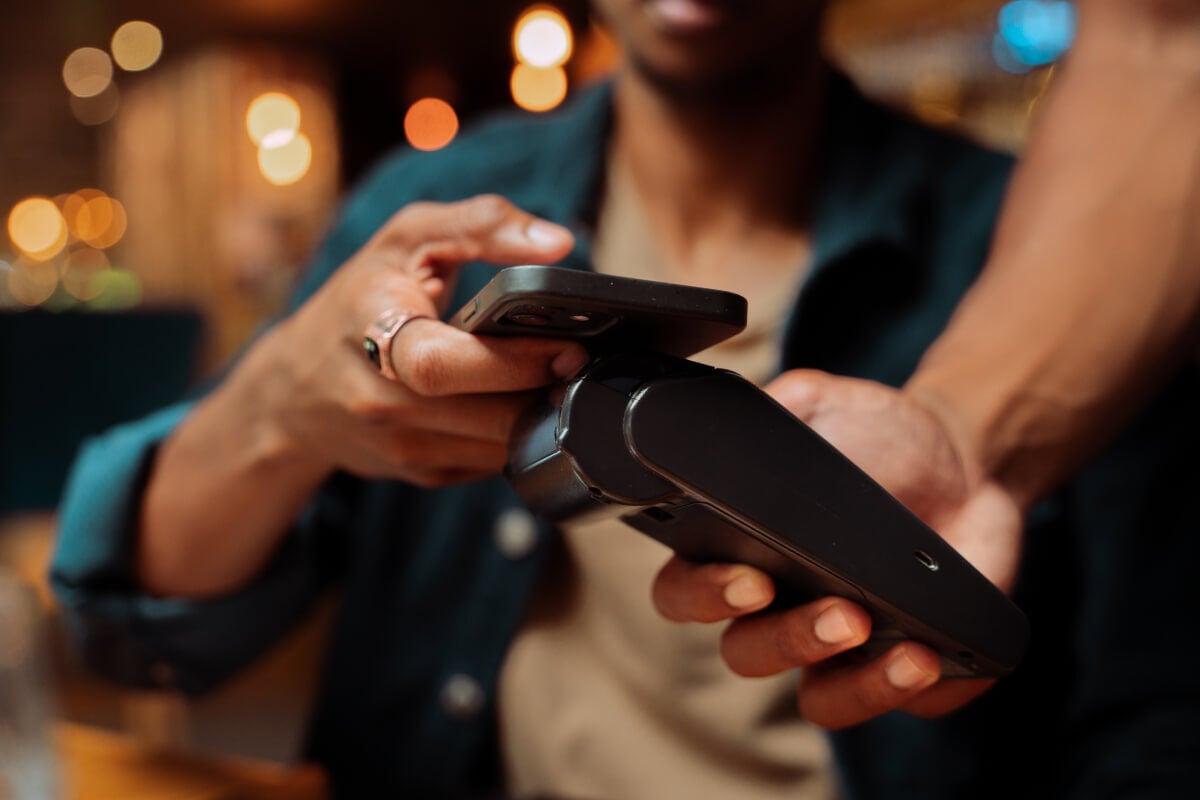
[(140, 640)]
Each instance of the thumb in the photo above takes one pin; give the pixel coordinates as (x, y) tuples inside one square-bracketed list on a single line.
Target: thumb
[(803, 392)]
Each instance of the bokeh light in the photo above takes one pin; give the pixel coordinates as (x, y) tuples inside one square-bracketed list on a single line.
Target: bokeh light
[(32, 283), (37, 228), (71, 204), (101, 222), (97, 109), (542, 38), (137, 46), (121, 289), (538, 89), (87, 72), (84, 273), (286, 164), (430, 124), (270, 114), (1033, 33)]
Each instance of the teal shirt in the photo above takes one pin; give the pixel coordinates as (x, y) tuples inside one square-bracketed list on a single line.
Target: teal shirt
[(901, 226)]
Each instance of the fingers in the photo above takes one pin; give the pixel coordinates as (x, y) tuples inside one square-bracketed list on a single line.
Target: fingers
[(772, 643), (486, 227), (801, 391), (756, 645), (844, 696), (687, 592), (436, 360)]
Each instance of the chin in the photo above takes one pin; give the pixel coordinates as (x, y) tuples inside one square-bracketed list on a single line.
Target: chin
[(694, 46)]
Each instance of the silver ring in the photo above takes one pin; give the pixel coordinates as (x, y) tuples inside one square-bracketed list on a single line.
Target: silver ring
[(377, 339)]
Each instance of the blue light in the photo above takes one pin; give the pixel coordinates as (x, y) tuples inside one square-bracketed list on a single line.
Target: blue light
[(1033, 33)]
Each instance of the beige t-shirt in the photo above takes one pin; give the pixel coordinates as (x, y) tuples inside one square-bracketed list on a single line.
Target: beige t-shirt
[(602, 698)]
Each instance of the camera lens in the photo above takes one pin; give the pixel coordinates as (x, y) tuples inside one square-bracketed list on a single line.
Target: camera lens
[(534, 316), (528, 318)]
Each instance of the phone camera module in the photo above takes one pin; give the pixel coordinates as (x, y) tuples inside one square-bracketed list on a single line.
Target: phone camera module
[(531, 316)]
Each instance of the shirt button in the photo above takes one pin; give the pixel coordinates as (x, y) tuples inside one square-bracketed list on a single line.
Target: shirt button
[(462, 696), (516, 533)]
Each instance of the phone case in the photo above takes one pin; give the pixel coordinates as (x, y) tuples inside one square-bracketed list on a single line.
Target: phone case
[(703, 461), (609, 314)]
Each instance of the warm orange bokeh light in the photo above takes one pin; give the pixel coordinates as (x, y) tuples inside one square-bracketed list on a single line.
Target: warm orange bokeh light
[(37, 228), (97, 109), (287, 163), (542, 38), (32, 283), (535, 89), (84, 273), (87, 72), (271, 113), (101, 222), (137, 46), (72, 204), (430, 124)]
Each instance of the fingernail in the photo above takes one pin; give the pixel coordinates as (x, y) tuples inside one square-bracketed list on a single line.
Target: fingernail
[(546, 234), (832, 627), (903, 673), (744, 592), (567, 363)]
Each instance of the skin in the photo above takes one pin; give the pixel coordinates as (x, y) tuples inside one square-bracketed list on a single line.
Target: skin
[(304, 401)]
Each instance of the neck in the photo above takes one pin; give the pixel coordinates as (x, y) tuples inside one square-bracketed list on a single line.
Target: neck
[(705, 162)]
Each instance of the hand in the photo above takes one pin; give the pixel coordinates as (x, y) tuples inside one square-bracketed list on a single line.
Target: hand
[(904, 446), (448, 416), (228, 483)]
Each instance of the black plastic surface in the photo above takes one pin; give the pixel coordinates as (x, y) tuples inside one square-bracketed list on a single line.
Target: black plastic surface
[(622, 314), (730, 446), (705, 462)]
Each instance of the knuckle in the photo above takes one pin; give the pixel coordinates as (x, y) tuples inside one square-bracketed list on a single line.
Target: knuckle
[(484, 211), (792, 642), (732, 654), (370, 407), (403, 227), (870, 699), (369, 410), (415, 209), (400, 451)]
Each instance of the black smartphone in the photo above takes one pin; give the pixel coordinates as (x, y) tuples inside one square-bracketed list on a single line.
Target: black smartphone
[(608, 314)]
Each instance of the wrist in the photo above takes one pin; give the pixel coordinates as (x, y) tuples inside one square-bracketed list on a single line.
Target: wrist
[(977, 416), (261, 393)]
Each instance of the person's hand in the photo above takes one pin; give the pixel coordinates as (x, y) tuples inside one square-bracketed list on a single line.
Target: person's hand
[(904, 446), (448, 416)]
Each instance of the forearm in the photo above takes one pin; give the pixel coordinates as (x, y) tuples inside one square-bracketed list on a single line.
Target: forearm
[(223, 491), (1093, 284)]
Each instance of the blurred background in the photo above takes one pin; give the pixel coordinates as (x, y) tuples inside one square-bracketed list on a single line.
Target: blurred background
[(167, 168)]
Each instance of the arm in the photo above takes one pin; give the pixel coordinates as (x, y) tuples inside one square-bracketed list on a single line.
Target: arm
[(190, 540), (1089, 297), (1092, 287)]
